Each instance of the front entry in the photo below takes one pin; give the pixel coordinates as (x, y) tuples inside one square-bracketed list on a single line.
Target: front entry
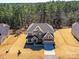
[(49, 45)]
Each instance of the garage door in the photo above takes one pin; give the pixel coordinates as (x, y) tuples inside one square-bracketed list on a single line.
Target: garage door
[(48, 46)]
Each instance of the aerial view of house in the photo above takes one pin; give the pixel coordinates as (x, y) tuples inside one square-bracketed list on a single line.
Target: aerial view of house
[(40, 33), (39, 29)]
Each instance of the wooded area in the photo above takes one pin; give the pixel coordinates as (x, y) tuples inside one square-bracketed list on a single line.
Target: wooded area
[(58, 13)]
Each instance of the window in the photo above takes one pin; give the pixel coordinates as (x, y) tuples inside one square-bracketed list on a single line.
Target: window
[(29, 40), (48, 39)]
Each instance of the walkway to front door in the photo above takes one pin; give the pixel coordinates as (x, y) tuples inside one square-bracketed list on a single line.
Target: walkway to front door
[(49, 52)]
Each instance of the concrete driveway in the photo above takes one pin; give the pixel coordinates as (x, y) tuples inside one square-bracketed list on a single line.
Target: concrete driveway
[(49, 54)]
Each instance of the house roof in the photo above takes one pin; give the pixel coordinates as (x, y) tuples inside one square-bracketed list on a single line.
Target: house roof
[(37, 28), (75, 30), (4, 28), (4, 25), (48, 36), (43, 26), (4, 31)]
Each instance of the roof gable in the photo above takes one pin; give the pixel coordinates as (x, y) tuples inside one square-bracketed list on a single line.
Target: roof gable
[(37, 28), (48, 36)]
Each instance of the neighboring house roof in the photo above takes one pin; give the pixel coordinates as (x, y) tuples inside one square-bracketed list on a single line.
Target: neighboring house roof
[(75, 30), (48, 36), (4, 28), (4, 31), (43, 26)]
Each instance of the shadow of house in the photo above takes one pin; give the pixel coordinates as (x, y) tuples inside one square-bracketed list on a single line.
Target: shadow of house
[(38, 34), (4, 31)]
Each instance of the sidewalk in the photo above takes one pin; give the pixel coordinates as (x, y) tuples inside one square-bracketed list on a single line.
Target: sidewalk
[(49, 54)]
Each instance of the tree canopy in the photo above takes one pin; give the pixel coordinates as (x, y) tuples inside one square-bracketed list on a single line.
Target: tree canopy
[(58, 13)]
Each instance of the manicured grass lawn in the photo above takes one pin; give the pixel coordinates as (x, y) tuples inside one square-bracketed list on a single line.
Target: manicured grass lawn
[(67, 47), (18, 44)]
